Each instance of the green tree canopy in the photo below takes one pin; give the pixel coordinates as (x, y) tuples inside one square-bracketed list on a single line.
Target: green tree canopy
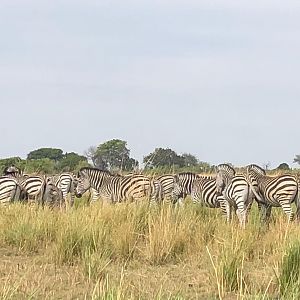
[(283, 166), (297, 159), (70, 161), (11, 161), (112, 155), (51, 153), (190, 160), (163, 158), (42, 166)]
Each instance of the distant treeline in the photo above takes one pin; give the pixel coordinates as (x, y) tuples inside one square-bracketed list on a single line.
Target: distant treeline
[(113, 155)]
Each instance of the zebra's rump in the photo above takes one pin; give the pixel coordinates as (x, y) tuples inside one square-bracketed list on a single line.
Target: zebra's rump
[(8, 188), (281, 188), (134, 187)]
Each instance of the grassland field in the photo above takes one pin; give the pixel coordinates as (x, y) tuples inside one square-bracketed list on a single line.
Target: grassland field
[(131, 251)]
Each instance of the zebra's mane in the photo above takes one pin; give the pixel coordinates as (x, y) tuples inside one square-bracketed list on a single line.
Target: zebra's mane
[(97, 170), (256, 168), (186, 173), (226, 168)]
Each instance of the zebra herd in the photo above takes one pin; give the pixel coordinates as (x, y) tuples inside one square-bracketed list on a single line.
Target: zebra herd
[(227, 189), (43, 189)]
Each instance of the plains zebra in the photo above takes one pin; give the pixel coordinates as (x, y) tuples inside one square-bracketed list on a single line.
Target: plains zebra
[(10, 190), (277, 191), (204, 192), (183, 184), (94, 195), (166, 187), (66, 182), (42, 189), (12, 171), (236, 191), (115, 188)]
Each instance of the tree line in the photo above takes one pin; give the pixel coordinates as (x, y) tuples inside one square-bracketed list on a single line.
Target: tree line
[(112, 155)]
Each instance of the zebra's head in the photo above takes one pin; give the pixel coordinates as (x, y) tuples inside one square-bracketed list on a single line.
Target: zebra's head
[(183, 183), (256, 169), (224, 175), (82, 183), (177, 188), (254, 173)]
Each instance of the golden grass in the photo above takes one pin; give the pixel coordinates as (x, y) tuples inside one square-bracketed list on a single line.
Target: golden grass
[(131, 251)]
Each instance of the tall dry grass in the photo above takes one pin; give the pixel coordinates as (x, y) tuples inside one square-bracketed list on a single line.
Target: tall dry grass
[(133, 251)]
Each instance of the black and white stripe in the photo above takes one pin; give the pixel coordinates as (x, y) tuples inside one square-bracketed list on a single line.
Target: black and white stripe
[(10, 190), (236, 191), (114, 188), (41, 189), (166, 187), (183, 185), (66, 183), (278, 191), (204, 192)]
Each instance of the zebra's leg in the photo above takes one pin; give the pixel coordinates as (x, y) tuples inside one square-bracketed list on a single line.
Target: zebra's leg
[(72, 199), (241, 212), (226, 209), (265, 212), (286, 207), (243, 203)]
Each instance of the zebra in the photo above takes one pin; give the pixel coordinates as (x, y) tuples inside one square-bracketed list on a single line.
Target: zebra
[(10, 190), (183, 185), (94, 195), (166, 187), (114, 188), (236, 192), (42, 189), (278, 191), (12, 171), (204, 191), (66, 182)]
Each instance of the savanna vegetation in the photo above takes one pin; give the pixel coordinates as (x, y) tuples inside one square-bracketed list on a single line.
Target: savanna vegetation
[(131, 251)]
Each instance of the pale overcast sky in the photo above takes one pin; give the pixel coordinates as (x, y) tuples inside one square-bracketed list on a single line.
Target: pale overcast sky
[(218, 79)]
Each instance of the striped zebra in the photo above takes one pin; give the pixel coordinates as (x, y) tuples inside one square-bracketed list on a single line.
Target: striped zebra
[(183, 185), (94, 195), (114, 188), (66, 183), (42, 189), (278, 191), (204, 192), (236, 192), (166, 188), (12, 171), (10, 190)]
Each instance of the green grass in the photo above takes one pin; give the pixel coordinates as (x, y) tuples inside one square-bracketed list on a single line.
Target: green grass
[(131, 251)]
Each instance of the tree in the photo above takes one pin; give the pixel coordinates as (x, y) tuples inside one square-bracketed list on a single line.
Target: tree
[(297, 159), (43, 165), (114, 155), (51, 153), (283, 166), (189, 160), (96, 158), (70, 161), (163, 158), (11, 161)]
